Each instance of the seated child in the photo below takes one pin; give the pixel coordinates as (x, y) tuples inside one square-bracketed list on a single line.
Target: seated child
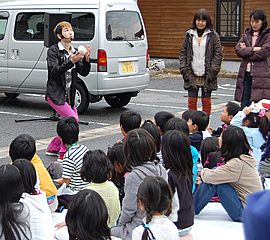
[(229, 111), (198, 122), (86, 218), (129, 120), (256, 216), (97, 171), (117, 158), (178, 162), (161, 118), (68, 131), (150, 127), (24, 146), (140, 153), (181, 125), (186, 114), (254, 122), (155, 198), (40, 215)]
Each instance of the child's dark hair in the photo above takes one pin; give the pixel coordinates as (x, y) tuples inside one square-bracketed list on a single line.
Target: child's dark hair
[(176, 153), (11, 190), (177, 123), (259, 15), (28, 174), (68, 130), (156, 196), (23, 146), (201, 119), (186, 114), (255, 121), (232, 108), (234, 143), (87, 217), (116, 153), (161, 118), (202, 14), (130, 120), (208, 145), (139, 147), (152, 128), (96, 167)]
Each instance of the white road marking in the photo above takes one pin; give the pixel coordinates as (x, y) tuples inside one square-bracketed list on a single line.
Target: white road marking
[(93, 133)]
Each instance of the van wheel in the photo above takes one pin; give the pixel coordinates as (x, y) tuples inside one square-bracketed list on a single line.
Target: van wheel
[(81, 99), (11, 95), (118, 100)]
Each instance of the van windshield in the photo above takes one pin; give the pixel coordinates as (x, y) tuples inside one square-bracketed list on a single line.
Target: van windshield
[(124, 26)]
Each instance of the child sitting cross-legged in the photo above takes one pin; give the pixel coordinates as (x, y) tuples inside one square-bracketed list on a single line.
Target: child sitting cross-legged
[(68, 131), (97, 170), (155, 198)]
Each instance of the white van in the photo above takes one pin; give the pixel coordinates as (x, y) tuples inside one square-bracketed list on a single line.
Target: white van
[(114, 29)]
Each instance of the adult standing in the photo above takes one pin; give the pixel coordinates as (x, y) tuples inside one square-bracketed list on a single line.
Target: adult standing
[(64, 63), (200, 60), (254, 48)]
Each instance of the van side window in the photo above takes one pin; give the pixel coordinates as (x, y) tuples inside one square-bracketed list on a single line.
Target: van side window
[(29, 27), (3, 24), (83, 26), (124, 25)]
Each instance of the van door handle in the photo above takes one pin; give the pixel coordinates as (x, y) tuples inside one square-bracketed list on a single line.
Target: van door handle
[(2, 51), (15, 54)]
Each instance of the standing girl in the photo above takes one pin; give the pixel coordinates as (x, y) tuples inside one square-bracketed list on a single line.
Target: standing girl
[(200, 60), (64, 63), (178, 160), (254, 49), (234, 180), (155, 198)]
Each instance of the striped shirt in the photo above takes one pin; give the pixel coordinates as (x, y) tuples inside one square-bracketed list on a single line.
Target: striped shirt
[(72, 164)]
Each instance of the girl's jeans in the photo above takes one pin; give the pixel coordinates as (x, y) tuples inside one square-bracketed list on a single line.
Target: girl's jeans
[(227, 195), (65, 110)]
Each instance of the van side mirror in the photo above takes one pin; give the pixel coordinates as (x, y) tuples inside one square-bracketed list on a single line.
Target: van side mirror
[(4, 15)]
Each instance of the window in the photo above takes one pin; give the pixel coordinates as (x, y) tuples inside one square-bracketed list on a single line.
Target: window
[(229, 20), (124, 25), (83, 25), (3, 24), (29, 27)]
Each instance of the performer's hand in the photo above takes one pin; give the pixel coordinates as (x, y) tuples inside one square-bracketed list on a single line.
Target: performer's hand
[(242, 45), (255, 49), (88, 53), (75, 57)]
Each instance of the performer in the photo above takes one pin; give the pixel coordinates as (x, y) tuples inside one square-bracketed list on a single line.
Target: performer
[(64, 62)]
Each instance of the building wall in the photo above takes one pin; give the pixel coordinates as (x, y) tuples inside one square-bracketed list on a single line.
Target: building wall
[(167, 21)]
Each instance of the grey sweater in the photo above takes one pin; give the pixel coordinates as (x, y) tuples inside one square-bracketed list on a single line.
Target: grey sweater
[(131, 215)]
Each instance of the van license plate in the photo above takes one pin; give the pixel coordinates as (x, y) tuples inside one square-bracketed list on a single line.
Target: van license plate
[(127, 67)]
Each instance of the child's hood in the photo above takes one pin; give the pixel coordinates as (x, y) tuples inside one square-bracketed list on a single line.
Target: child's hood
[(250, 160), (150, 169), (38, 201)]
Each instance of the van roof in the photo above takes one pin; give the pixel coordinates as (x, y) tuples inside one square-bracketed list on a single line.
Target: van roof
[(55, 3)]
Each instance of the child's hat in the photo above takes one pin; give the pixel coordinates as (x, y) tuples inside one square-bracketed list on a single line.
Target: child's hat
[(256, 216), (263, 104)]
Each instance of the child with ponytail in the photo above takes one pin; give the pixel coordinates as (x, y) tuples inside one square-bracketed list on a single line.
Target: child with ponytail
[(155, 198)]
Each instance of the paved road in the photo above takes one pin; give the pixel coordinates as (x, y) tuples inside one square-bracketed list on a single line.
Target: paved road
[(103, 129)]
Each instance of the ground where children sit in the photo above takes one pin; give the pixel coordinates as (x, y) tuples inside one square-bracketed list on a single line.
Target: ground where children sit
[(212, 223)]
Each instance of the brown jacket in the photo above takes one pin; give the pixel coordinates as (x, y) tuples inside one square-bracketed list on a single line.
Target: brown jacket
[(240, 172), (260, 65), (213, 59)]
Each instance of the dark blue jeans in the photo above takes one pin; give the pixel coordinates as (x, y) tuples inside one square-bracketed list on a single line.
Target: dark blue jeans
[(227, 195), (247, 85)]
